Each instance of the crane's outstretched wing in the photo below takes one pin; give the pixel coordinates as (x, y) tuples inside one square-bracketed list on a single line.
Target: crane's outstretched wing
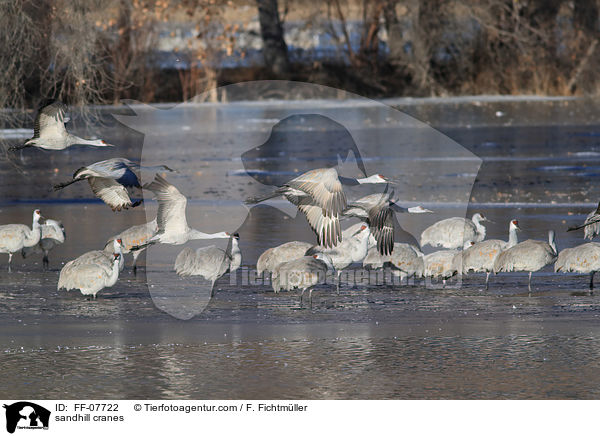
[(111, 192), (171, 206), (50, 121), (324, 188)]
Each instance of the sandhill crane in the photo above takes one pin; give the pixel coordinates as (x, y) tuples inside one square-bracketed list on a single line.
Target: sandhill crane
[(49, 131), (352, 249), (53, 234), (135, 236), (89, 278), (209, 262), (584, 259), (481, 256), (109, 180), (591, 225), (172, 224), (406, 260), (271, 258), (13, 237), (100, 258), (439, 263), (377, 210), (303, 273), (530, 255), (454, 232), (318, 194)]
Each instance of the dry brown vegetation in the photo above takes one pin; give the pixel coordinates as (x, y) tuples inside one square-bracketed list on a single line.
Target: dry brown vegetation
[(92, 51)]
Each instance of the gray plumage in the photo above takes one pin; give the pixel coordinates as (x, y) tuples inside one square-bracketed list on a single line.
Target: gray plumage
[(209, 262), (172, 226), (319, 195), (530, 255), (135, 236), (303, 273), (583, 259), (14, 237), (50, 133), (454, 232), (89, 278), (274, 256), (109, 180), (591, 225), (481, 256), (406, 260), (53, 234), (352, 249)]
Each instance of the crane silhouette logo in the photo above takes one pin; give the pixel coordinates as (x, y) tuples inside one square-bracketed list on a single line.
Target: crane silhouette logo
[(26, 415), (244, 147)]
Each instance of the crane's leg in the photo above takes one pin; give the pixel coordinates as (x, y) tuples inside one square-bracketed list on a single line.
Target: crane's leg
[(135, 256), (45, 261), (9, 260), (310, 298), (301, 296), (529, 284), (339, 273), (592, 282), (487, 280)]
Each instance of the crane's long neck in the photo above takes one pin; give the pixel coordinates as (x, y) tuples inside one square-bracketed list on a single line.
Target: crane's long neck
[(551, 241), (35, 234), (73, 139), (513, 239), (114, 273), (362, 181), (480, 227), (235, 254), (197, 234)]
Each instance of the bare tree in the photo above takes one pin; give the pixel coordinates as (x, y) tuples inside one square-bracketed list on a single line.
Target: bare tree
[(271, 29)]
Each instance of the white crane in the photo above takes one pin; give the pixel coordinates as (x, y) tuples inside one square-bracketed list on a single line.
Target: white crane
[(172, 225), (530, 255), (351, 250), (303, 273), (89, 278), (209, 262), (481, 256), (135, 236), (274, 256), (319, 195), (49, 131), (109, 180), (584, 259), (454, 232), (591, 225), (14, 237), (53, 234), (406, 260), (377, 210)]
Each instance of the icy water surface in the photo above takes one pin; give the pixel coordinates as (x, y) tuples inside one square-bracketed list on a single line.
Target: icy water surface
[(370, 341)]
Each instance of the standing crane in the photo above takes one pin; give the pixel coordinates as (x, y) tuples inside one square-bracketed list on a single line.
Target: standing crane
[(481, 256), (53, 234), (584, 259), (303, 273), (135, 236), (89, 278), (209, 262), (14, 237), (454, 232), (530, 255)]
